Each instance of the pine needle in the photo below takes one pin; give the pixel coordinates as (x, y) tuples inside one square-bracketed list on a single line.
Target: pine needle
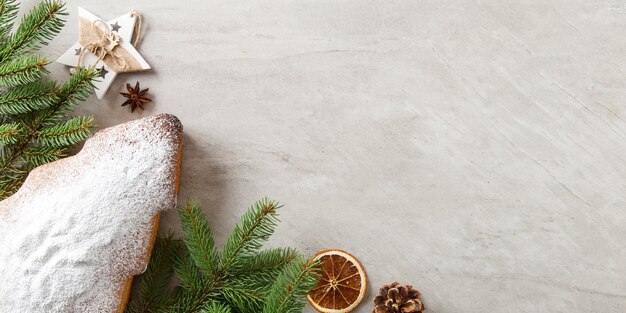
[(8, 12), (36, 156), (23, 70), (74, 91), (256, 226), (9, 133), (215, 307), (292, 285), (186, 271), (271, 281), (38, 27), (67, 133), (27, 98), (153, 283), (34, 129), (265, 266), (198, 238)]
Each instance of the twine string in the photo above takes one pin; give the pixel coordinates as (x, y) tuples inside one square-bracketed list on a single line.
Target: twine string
[(109, 41), (137, 30)]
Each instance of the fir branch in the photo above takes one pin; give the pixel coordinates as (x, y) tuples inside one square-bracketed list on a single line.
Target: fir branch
[(75, 90), (67, 133), (191, 302), (39, 108), (131, 308), (245, 297), (11, 181), (291, 286), (215, 307), (36, 156), (152, 295), (270, 281), (6, 150), (186, 271), (30, 97), (11, 176), (10, 186), (265, 266), (23, 70), (267, 260), (256, 226), (153, 283), (8, 12), (40, 25), (9, 133), (185, 301), (198, 238)]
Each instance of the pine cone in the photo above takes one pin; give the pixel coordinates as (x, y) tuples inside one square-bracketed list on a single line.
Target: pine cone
[(394, 298)]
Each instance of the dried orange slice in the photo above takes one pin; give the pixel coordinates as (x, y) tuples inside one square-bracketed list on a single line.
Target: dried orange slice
[(342, 285)]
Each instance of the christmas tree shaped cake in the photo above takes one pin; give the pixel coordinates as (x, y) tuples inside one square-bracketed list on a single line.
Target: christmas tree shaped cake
[(79, 228)]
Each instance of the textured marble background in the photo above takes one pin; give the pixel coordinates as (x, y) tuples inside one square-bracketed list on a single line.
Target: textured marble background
[(473, 149)]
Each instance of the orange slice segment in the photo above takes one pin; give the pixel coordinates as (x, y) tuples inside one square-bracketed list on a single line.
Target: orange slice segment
[(342, 285)]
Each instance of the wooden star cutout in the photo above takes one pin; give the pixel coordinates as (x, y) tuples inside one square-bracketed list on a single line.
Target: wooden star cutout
[(103, 72), (115, 27), (123, 27)]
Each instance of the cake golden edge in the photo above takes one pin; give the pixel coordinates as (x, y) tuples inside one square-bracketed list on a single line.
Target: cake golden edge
[(125, 292)]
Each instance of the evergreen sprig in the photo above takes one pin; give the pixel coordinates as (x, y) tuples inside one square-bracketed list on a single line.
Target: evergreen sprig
[(9, 133), (199, 241), (154, 283), (256, 226), (27, 98), (290, 288), (22, 70), (241, 278), (67, 133), (34, 124), (38, 27), (8, 12)]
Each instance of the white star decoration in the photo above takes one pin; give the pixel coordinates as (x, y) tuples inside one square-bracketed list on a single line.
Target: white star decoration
[(122, 26)]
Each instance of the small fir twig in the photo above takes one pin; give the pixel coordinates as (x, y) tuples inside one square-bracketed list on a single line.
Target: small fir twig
[(241, 278), (34, 128)]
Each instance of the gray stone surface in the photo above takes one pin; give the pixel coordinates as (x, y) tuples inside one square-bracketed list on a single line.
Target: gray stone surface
[(475, 150)]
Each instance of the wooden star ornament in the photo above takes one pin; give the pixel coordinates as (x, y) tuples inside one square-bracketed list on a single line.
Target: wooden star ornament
[(107, 46)]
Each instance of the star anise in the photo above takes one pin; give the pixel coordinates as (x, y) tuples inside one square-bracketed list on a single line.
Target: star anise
[(135, 97)]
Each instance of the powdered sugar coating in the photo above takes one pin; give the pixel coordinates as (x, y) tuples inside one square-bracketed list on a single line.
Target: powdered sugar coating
[(79, 227)]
